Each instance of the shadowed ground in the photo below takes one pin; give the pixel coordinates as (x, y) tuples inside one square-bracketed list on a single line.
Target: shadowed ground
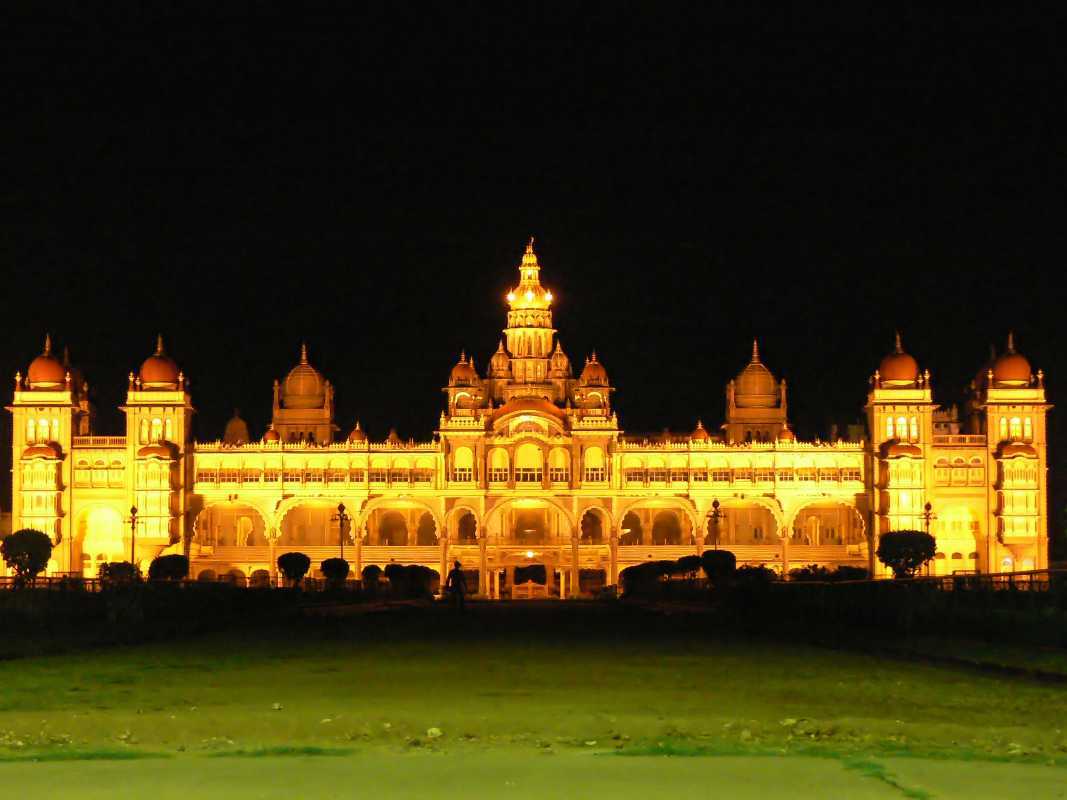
[(565, 695)]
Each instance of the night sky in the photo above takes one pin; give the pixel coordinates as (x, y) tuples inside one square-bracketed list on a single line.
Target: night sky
[(366, 180)]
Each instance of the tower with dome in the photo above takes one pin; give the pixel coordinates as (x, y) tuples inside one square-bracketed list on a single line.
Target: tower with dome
[(530, 465)]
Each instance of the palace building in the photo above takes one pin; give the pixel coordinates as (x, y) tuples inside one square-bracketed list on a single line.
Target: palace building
[(529, 466)]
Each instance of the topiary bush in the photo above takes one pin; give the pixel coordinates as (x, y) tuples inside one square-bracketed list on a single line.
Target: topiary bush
[(174, 567), (119, 573), (847, 573), (812, 572), (756, 577), (371, 574), (294, 566), (718, 565), (688, 566), (335, 570), (904, 552), (644, 580), (27, 552)]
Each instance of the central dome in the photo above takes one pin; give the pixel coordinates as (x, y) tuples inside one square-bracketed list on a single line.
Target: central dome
[(1012, 368), (159, 370), (898, 369), (755, 387), (46, 372), (304, 386)]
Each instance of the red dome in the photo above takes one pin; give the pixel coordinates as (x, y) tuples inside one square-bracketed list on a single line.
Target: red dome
[(1011, 369), (594, 373), (786, 435), (357, 434), (464, 372), (46, 371), (271, 435), (159, 370), (699, 434), (898, 368)]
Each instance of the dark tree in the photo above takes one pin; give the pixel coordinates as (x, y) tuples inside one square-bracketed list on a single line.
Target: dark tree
[(718, 565), (169, 568), (294, 566), (335, 570), (27, 552), (689, 566), (905, 551), (119, 573), (371, 574)]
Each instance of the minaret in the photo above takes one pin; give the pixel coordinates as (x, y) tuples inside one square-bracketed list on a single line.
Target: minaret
[(530, 332)]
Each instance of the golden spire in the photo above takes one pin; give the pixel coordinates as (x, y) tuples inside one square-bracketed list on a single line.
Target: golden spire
[(898, 346), (48, 344), (755, 351), (1011, 342), (303, 352), (159, 344)]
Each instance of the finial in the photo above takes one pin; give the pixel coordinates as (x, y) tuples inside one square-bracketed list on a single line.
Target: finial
[(594, 357), (898, 347), (131, 380), (66, 379), (48, 344), (530, 245), (181, 379), (1041, 377), (755, 351), (462, 356), (18, 380), (1011, 342), (159, 344), (303, 352)]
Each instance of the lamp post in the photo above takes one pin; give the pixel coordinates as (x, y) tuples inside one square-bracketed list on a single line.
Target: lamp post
[(928, 515), (716, 517), (133, 534), (342, 518)]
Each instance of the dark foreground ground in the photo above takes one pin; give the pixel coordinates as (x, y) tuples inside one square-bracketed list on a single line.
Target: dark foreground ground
[(550, 700)]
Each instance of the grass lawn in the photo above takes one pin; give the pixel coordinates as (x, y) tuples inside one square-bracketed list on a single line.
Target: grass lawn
[(568, 686)]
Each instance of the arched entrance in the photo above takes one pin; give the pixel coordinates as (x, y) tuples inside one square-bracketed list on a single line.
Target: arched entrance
[(632, 531), (100, 533), (592, 527), (741, 523), (229, 525), (827, 523), (310, 524), (667, 528), (426, 533)]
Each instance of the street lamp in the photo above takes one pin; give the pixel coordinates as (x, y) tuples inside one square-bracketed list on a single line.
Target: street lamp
[(342, 518), (716, 517), (133, 534), (928, 515)]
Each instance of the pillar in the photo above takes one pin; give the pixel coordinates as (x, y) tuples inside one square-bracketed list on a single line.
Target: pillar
[(273, 561), (575, 585), (483, 565), (613, 568), (443, 538), (783, 537), (359, 555)]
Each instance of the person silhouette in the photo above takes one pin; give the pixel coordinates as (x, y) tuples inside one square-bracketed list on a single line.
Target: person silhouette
[(456, 586)]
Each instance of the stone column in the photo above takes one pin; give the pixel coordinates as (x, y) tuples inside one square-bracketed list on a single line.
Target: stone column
[(576, 585), (358, 563), (613, 550), (783, 537), (483, 566), (273, 561), (444, 559)]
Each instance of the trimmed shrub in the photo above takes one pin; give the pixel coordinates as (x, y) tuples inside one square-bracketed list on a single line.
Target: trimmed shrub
[(294, 566), (812, 572), (174, 567), (688, 566), (119, 573), (335, 570), (27, 552), (847, 573), (643, 580), (718, 565), (370, 577), (755, 576), (905, 551)]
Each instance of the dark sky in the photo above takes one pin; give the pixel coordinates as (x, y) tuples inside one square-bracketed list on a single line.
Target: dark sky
[(366, 179)]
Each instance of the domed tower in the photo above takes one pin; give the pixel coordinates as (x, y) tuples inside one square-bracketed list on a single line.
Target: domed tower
[(900, 424), (1012, 408), (47, 414), (303, 405), (594, 389), (500, 363), (236, 432), (159, 414), (529, 334), (464, 388), (755, 403)]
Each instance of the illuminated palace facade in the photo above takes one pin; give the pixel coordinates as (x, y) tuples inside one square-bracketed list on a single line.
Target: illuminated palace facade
[(529, 466)]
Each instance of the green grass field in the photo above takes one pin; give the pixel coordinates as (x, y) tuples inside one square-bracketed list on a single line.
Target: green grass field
[(419, 690)]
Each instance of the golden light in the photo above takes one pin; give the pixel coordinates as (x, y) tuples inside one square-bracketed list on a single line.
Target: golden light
[(548, 296), (511, 297), (529, 295), (529, 553)]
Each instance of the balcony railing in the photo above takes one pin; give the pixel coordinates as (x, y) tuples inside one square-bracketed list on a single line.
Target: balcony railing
[(99, 441)]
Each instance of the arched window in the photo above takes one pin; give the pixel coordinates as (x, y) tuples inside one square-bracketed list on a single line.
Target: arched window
[(42, 430), (463, 464), (1028, 429), (1003, 428), (168, 430), (1016, 428), (144, 431), (157, 429), (902, 428), (889, 427), (529, 464), (595, 471), (914, 429), (498, 465), (31, 431)]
